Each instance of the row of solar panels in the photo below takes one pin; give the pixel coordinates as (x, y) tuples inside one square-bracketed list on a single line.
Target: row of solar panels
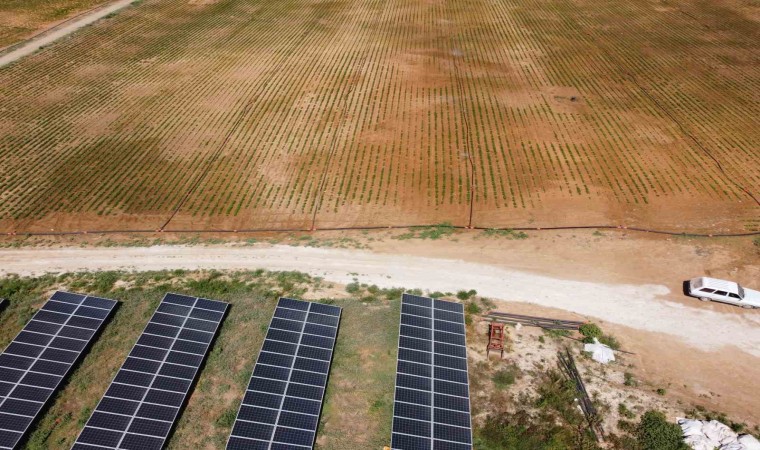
[(283, 400)]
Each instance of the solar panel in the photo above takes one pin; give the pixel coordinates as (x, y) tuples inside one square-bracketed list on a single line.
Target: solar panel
[(281, 407), (41, 356), (145, 397), (3, 304), (431, 410)]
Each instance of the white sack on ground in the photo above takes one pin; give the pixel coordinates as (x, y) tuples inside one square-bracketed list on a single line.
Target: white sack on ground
[(712, 435), (749, 442), (599, 352)]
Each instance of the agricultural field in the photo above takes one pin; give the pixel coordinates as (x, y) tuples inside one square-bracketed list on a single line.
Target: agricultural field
[(300, 114), (20, 19)]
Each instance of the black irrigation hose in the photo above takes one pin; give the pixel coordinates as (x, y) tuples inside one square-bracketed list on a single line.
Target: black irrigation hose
[(369, 228)]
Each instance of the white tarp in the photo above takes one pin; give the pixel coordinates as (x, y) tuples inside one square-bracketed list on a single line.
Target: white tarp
[(599, 352), (711, 435), (749, 442)]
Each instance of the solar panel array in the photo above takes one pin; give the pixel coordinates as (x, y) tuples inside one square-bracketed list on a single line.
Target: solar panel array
[(431, 410), (41, 356), (3, 304), (283, 401), (143, 401)]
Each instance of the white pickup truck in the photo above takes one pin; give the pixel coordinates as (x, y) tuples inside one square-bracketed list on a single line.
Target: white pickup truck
[(712, 289)]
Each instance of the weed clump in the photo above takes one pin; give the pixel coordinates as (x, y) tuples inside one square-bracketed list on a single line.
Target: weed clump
[(506, 377), (429, 232), (505, 233)]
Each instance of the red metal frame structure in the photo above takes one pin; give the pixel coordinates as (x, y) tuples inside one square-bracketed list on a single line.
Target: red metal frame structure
[(496, 338)]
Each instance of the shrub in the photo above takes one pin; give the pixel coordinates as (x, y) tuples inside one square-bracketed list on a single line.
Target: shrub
[(625, 412), (610, 341), (473, 308), (654, 432), (590, 331), (629, 380), (465, 295), (353, 288)]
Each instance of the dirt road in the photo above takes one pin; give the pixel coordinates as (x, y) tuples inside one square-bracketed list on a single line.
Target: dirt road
[(60, 31), (643, 307)]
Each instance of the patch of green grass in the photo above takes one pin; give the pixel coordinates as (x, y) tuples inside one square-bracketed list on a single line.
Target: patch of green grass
[(507, 233), (433, 232), (556, 334), (505, 377)]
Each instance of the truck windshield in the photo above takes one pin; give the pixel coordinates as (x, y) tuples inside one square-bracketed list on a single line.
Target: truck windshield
[(741, 292)]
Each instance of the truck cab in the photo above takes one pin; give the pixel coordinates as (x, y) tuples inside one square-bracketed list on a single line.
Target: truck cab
[(712, 289)]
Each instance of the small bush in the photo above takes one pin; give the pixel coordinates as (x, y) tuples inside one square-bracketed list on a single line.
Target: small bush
[(629, 380), (353, 288), (610, 341), (656, 433), (466, 295), (473, 308), (625, 412), (392, 293), (661, 391), (590, 331)]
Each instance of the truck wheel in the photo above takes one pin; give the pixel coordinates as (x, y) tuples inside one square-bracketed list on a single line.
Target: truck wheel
[(704, 299)]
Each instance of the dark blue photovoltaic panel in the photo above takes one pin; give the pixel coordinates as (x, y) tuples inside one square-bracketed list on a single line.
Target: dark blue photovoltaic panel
[(283, 401), (3, 304), (41, 356), (431, 409), (147, 394)]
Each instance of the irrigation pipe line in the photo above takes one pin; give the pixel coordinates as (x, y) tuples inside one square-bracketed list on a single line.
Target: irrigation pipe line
[(370, 228)]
